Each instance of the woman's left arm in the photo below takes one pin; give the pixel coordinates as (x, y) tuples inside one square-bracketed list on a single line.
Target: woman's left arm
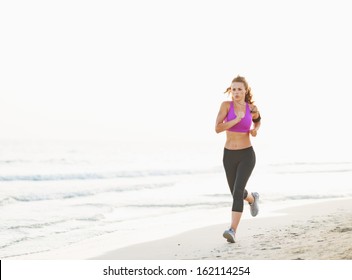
[(256, 120)]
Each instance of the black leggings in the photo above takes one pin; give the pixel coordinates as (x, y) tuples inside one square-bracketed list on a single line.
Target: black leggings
[(238, 166)]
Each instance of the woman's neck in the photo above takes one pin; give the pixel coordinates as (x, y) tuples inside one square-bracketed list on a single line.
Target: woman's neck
[(240, 103)]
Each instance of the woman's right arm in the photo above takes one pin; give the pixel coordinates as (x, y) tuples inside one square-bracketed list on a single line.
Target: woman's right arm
[(220, 125)]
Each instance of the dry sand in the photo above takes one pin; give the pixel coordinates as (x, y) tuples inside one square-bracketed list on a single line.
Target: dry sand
[(318, 231)]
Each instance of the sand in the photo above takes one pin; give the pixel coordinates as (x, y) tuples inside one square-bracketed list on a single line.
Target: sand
[(318, 231)]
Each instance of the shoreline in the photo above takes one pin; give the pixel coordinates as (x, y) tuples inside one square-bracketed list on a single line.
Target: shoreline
[(317, 231)]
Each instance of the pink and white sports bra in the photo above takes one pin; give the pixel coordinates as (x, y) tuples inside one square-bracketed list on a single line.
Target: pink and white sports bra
[(244, 125)]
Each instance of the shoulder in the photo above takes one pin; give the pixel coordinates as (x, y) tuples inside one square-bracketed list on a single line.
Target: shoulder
[(225, 104), (224, 108), (254, 108)]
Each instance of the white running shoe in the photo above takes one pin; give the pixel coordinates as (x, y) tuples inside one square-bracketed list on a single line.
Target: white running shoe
[(229, 234), (254, 206)]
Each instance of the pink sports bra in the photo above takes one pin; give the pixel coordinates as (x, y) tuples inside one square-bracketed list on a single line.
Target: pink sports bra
[(244, 125)]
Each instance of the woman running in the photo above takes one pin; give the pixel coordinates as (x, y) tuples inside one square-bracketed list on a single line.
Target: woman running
[(236, 118)]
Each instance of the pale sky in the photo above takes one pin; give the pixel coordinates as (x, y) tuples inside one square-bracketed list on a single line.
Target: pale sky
[(157, 69)]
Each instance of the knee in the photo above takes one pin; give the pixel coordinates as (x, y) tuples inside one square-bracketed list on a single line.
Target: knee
[(238, 194), (237, 205)]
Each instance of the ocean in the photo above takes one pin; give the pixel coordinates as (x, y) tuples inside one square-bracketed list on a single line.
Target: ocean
[(54, 194)]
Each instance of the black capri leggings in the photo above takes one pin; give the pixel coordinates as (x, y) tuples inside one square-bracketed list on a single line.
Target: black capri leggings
[(238, 166)]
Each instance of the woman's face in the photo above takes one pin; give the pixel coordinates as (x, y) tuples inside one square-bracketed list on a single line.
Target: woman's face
[(238, 91)]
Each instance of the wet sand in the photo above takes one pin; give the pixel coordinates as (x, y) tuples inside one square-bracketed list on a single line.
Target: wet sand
[(318, 231)]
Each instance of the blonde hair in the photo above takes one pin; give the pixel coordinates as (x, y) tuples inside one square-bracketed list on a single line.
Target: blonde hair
[(249, 95)]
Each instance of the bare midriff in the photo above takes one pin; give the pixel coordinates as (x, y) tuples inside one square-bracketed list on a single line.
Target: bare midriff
[(237, 140)]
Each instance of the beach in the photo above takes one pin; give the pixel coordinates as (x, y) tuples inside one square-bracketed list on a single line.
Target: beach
[(317, 231), (265, 246), (109, 160), (107, 200)]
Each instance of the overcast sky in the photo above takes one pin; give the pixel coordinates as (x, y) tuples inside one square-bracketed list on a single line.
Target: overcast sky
[(157, 69)]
